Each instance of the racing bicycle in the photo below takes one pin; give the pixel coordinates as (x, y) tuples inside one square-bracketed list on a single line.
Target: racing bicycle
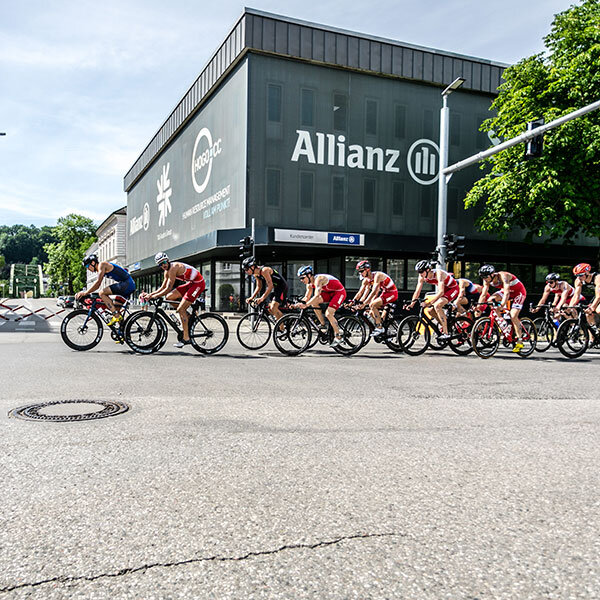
[(575, 336)]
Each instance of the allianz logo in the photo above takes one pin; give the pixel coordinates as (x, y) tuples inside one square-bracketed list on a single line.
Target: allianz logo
[(141, 222)]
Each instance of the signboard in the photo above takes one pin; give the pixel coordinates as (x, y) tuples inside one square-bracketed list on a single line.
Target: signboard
[(198, 184), (300, 236)]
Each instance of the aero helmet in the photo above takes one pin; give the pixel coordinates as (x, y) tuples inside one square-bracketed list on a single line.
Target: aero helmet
[(89, 259), (486, 270), (552, 277), (363, 265), (581, 268), (422, 265), (305, 270), (248, 263), (161, 257)]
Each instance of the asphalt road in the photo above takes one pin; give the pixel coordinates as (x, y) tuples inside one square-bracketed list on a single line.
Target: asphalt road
[(253, 475)]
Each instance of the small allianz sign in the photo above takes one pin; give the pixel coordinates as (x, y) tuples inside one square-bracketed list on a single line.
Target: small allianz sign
[(300, 236)]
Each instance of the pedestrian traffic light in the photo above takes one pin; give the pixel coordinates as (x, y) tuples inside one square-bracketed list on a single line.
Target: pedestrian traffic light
[(455, 246), (535, 146), (247, 247)]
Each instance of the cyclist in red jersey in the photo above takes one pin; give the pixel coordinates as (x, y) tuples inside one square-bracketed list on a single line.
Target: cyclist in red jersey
[(446, 291), (377, 290), (319, 289), (188, 292), (512, 289), (563, 294), (585, 276)]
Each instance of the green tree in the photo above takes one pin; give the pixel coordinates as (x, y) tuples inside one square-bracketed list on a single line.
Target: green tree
[(75, 234), (22, 243), (558, 194)]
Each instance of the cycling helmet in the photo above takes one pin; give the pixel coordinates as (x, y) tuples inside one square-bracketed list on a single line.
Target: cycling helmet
[(161, 257), (581, 268), (487, 270), (422, 265), (363, 265), (248, 263), (305, 270), (89, 259), (552, 277)]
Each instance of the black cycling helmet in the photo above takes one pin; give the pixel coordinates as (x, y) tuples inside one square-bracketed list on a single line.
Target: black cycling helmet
[(422, 265), (552, 277), (487, 270), (248, 263), (89, 259)]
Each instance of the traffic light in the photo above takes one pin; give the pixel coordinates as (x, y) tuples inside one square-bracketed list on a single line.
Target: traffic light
[(535, 146), (247, 247), (455, 246)]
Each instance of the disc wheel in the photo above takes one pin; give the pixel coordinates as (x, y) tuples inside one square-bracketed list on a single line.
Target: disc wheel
[(81, 330), (292, 335), (460, 332), (414, 336), (254, 331), (353, 335), (529, 337), (571, 339), (144, 332), (546, 334), (209, 333), (485, 337)]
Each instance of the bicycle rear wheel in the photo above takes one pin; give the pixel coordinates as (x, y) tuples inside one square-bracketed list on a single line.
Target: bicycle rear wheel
[(571, 339), (353, 335), (485, 337), (546, 333), (413, 335), (391, 335), (209, 333), (460, 332), (254, 331), (529, 337), (292, 335), (145, 332), (80, 330)]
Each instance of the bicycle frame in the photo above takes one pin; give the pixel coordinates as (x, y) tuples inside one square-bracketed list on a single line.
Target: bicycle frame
[(102, 314)]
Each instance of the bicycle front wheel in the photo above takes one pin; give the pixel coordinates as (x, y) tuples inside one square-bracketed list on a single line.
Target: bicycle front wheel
[(254, 331), (292, 335), (571, 339), (208, 333), (529, 337), (413, 335), (546, 332), (485, 337), (353, 335), (145, 332), (391, 335), (80, 330)]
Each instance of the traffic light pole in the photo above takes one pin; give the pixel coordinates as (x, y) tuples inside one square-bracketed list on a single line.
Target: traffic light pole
[(253, 240)]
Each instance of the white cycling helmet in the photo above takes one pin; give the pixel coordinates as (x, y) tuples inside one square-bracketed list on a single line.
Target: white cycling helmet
[(161, 257)]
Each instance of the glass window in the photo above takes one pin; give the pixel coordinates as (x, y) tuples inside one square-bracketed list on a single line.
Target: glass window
[(228, 286), (338, 199), (455, 129), (307, 116), (306, 190), (398, 199), (400, 121), (523, 272), (295, 286), (369, 196), (412, 276), (371, 117), (565, 272), (273, 187), (206, 271), (395, 269), (274, 103), (541, 271), (340, 112), (472, 272)]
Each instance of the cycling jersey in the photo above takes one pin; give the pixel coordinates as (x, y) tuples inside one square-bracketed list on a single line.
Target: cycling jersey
[(471, 288), (451, 288), (194, 283), (517, 292), (333, 283), (333, 291), (280, 286), (125, 286), (190, 274), (118, 273), (388, 291)]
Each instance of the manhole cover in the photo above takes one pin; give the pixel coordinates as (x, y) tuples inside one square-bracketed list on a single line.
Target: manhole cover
[(70, 410)]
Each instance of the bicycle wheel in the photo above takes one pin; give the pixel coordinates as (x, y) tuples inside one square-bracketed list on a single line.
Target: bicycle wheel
[(144, 332), (485, 337), (413, 335), (254, 331), (571, 338), (81, 330), (546, 333), (529, 337), (208, 333), (353, 335), (292, 335), (460, 332), (391, 335)]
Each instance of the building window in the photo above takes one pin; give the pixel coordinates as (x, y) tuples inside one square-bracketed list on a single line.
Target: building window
[(455, 129), (369, 196), (371, 117), (395, 269), (306, 191), (400, 121), (340, 112), (307, 116), (398, 199), (274, 103), (227, 282), (273, 187), (338, 196)]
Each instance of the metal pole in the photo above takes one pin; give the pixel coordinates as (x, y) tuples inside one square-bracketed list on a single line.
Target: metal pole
[(253, 239), (442, 183)]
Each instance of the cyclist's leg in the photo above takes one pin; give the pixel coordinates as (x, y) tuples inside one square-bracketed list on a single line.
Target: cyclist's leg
[(375, 306), (518, 300), (330, 314), (335, 302), (440, 313), (105, 294)]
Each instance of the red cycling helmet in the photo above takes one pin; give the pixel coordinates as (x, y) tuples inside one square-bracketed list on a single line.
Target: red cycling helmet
[(363, 265), (581, 268)]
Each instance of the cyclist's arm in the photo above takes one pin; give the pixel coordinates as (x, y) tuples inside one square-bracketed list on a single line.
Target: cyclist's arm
[(462, 286), (441, 286), (102, 270), (563, 298), (308, 294), (577, 293), (418, 289), (483, 296), (505, 289), (316, 299), (545, 297), (374, 290), (364, 284), (167, 284)]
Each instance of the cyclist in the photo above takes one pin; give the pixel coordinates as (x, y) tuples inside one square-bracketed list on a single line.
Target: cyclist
[(268, 279), (585, 276), (563, 294), (193, 285), (446, 291), (378, 289), (468, 293), (123, 286), (511, 289), (323, 288)]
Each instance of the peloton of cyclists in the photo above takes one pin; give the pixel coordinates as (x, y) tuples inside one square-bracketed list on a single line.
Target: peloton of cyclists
[(323, 288), (510, 289), (563, 294), (446, 291), (268, 281), (193, 285), (123, 286), (585, 276), (376, 290)]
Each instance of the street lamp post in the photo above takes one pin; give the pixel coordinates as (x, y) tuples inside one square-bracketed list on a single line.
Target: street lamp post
[(442, 182)]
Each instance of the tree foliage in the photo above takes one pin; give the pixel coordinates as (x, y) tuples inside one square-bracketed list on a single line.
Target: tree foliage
[(558, 194), (24, 244), (75, 234)]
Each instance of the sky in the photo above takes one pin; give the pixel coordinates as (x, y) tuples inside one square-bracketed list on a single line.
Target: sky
[(84, 85)]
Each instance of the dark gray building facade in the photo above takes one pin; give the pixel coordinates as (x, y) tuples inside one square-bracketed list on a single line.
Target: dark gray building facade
[(328, 139)]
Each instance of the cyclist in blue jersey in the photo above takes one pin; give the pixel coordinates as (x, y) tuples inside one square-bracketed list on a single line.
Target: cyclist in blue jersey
[(123, 286)]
